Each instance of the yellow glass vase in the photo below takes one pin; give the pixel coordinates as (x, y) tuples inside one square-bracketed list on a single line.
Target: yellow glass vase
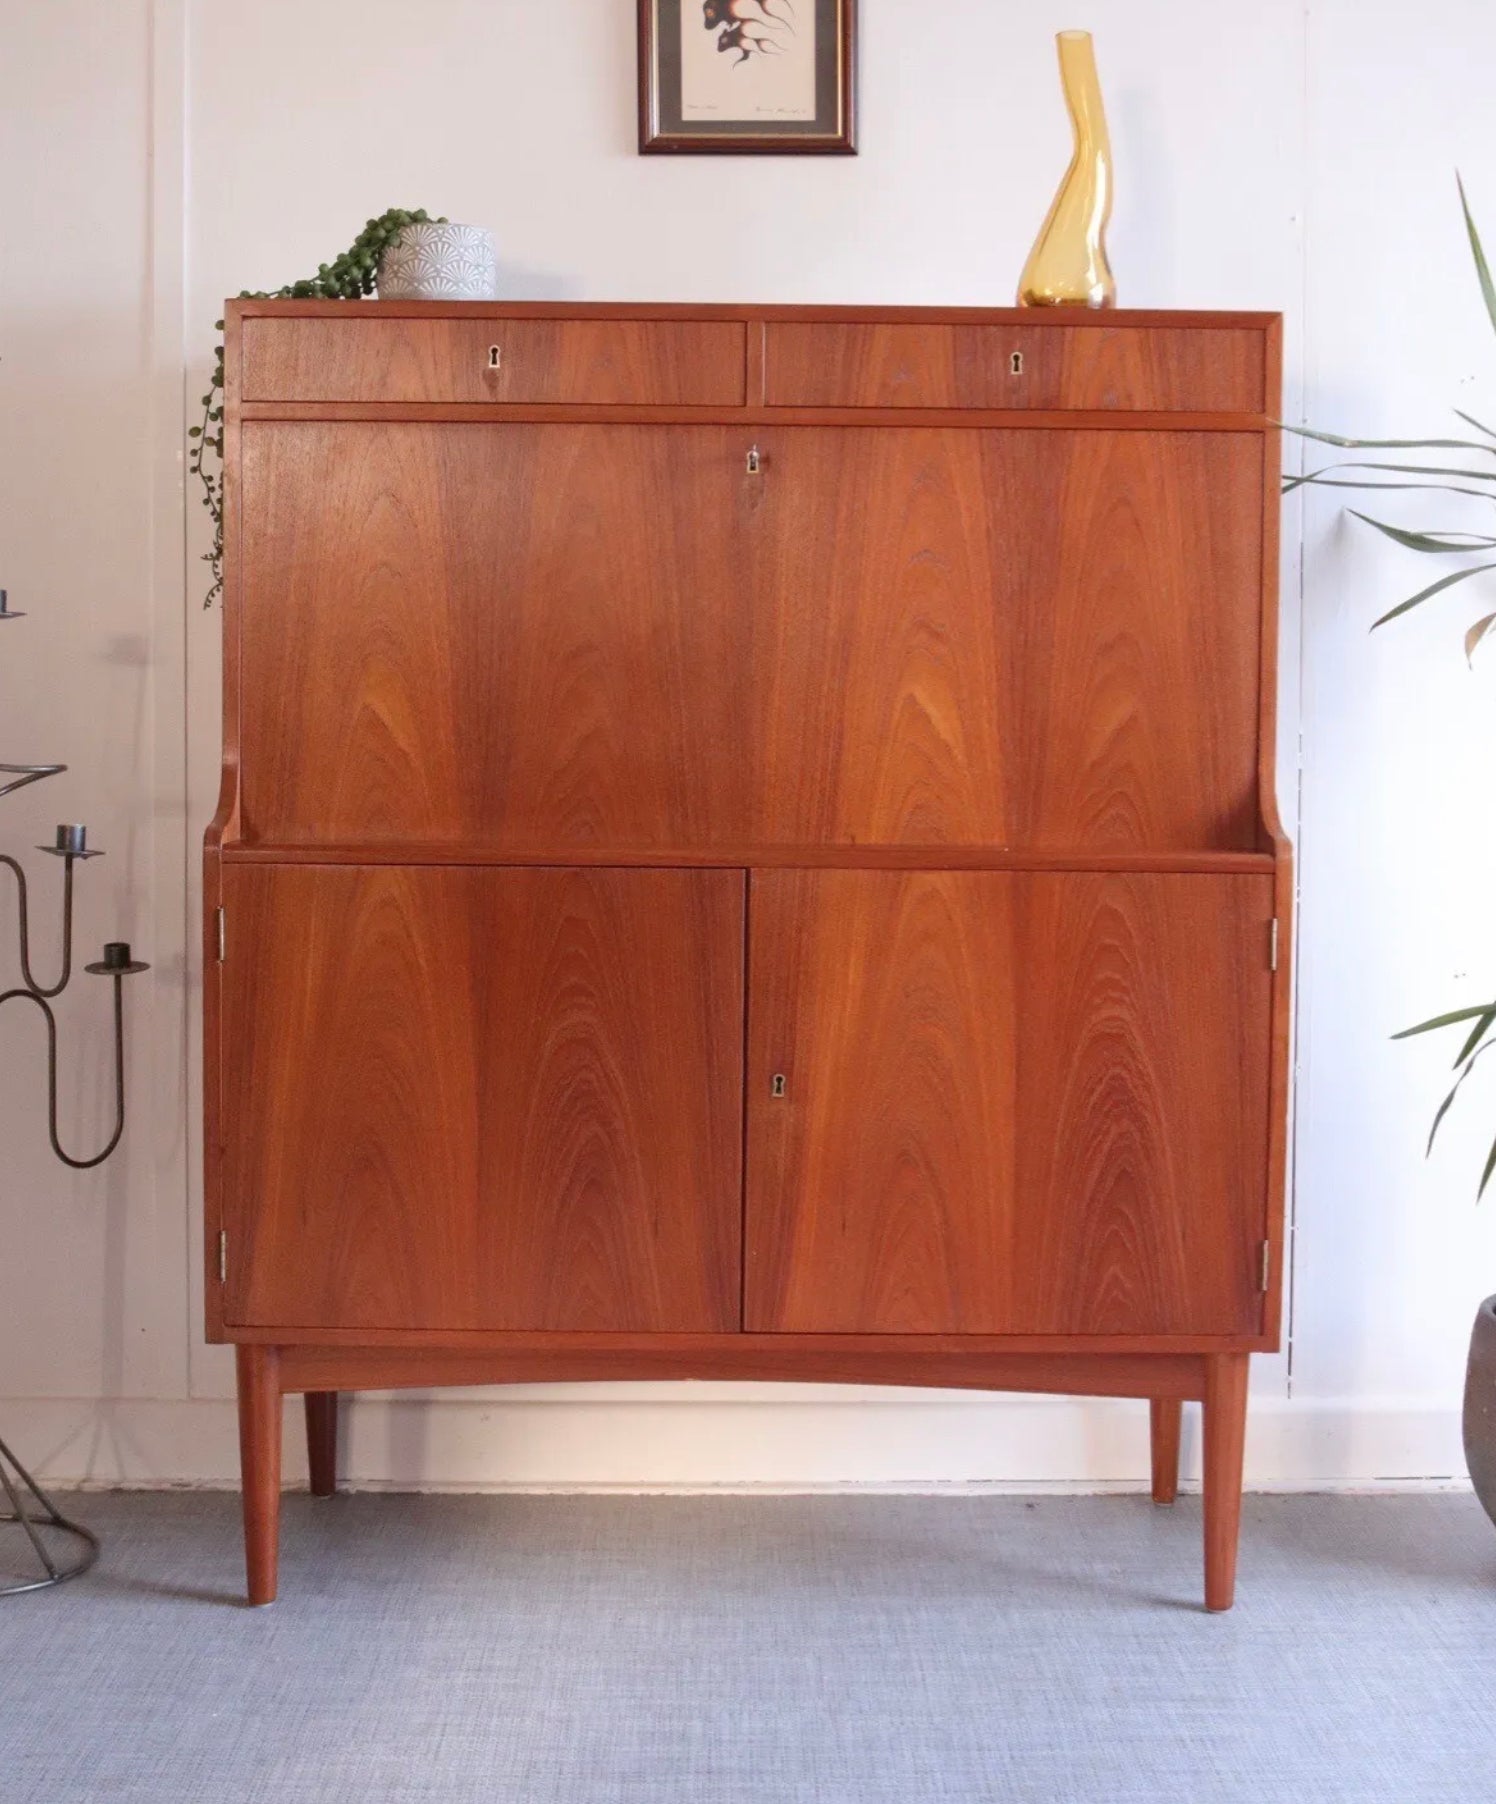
[(1068, 265)]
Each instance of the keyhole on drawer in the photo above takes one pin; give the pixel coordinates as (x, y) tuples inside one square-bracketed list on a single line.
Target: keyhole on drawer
[(777, 1087), (494, 357), (1015, 363)]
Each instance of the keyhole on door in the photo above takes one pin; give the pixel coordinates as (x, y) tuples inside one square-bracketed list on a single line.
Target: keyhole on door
[(755, 463), (1015, 363), (777, 1087), (494, 356)]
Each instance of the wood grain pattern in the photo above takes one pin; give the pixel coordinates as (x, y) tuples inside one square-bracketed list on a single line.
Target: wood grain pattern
[(498, 636), (1275, 837), (1013, 1103), (518, 635), (260, 1413), (1142, 1011), (976, 638), (1164, 1423), (879, 1185), (928, 365), (971, 419), (467, 1099), (322, 1442), (1225, 1433), (604, 362), (534, 1343), (763, 857), (960, 1362), (977, 673)]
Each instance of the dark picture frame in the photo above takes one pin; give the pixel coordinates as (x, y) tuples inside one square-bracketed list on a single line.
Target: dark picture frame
[(756, 37)]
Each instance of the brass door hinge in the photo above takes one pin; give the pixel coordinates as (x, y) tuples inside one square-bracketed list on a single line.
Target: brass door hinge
[(1265, 1269), (223, 1255), (222, 934), (1272, 945)]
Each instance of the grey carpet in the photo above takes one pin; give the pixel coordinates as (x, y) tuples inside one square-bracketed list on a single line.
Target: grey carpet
[(552, 1650)]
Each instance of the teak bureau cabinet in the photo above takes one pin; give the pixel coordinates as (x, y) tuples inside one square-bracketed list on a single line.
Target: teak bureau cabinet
[(747, 850)]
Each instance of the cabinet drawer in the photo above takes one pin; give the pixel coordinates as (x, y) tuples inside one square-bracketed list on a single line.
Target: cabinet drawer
[(594, 362), (1134, 368)]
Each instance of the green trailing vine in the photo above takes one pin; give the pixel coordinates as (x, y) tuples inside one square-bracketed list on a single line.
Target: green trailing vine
[(349, 277)]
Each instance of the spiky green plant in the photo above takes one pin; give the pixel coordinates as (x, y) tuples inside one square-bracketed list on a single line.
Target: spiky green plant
[(1477, 552)]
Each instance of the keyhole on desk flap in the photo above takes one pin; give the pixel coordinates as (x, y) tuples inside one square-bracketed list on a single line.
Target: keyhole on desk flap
[(777, 1087), (495, 357), (1015, 363), (755, 464)]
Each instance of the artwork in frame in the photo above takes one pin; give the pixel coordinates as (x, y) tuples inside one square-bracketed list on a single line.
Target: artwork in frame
[(732, 77)]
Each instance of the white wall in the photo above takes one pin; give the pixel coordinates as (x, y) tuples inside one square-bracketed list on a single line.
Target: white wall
[(157, 156)]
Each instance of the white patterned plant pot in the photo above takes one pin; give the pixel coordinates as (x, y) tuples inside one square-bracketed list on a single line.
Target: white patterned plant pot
[(440, 263)]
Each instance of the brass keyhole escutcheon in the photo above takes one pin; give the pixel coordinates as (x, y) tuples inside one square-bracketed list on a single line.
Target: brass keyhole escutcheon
[(495, 357), (1015, 363), (755, 461), (778, 1086)]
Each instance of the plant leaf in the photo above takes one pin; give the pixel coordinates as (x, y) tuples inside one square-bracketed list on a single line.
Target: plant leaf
[(1442, 1111), (1488, 294), (1485, 1176), (1427, 541), (1476, 634), (1443, 1108), (1444, 582), (1391, 444), (1449, 1020), (1481, 1028), (1314, 478), (1470, 420), (1408, 470)]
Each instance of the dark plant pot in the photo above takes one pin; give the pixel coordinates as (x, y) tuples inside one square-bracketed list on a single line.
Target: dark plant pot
[(1480, 1407)]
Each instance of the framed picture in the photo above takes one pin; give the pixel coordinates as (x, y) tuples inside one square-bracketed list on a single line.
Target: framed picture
[(729, 77)]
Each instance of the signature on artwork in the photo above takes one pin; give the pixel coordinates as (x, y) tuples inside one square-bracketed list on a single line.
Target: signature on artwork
[(751, 27)]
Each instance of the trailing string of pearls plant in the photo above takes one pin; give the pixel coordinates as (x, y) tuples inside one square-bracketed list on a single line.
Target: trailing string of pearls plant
[(349, 277)]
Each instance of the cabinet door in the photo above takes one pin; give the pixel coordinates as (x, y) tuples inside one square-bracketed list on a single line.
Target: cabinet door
[(1045, 639), (1012, 1102), (528, 636), (468, 1098)]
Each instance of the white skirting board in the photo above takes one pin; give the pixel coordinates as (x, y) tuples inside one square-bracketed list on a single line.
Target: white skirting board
[(732, 1440)]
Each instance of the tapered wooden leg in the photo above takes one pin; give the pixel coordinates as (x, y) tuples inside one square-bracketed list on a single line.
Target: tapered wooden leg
[(1225, 1439), (322, 1441), (1164, 1414), (260, 1466)]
